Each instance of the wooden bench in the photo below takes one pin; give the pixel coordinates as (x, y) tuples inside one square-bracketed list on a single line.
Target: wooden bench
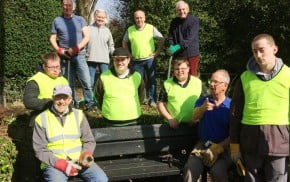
[(143, 151)]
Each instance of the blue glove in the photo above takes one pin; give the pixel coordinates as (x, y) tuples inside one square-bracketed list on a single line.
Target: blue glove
[(174, 48)]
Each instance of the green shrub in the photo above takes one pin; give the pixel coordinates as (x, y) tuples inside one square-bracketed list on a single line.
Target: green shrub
[(7, 159), (24, 37)]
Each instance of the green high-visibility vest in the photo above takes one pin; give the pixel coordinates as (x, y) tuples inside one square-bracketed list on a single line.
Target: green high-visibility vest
[(64, 141), (266, 102), (181, 100), (142, 41), (121, 98), (46, 84)]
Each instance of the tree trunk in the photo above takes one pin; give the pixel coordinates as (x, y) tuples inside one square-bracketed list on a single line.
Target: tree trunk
[(86, 8)]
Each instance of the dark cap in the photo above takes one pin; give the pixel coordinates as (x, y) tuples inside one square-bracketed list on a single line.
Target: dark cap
[(62, 90), (121, 52)]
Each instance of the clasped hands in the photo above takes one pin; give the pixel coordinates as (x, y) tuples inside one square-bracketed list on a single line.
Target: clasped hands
[(68, 53), (72, 167), (208, 155)]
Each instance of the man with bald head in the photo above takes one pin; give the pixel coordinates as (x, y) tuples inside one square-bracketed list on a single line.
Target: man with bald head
[(183, 36), (141, 38)]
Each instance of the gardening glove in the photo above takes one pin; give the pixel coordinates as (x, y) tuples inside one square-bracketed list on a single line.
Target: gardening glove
[(86, 159), (67, 167), (73, 51), (237, 158), (211, 154), (173, 48), (197, 149), (63, 54)]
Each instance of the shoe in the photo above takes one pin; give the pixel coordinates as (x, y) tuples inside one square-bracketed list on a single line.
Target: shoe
[(153, 104)]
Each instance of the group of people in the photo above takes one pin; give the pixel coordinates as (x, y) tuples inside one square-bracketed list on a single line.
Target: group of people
[(251, 130)]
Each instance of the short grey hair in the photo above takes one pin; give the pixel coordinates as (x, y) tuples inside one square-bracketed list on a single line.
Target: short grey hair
[(181, 2), (225, 74), (102, 11)]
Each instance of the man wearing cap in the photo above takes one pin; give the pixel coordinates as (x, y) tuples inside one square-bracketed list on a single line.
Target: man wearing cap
[(39, 88), (120, 90), (141, 38), (62, 140), (69, 36)]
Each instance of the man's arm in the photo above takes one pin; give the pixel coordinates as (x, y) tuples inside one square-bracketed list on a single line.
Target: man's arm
[(200, 110), (31, 100), (39, 145), (53, 41), (125, 40), (236, 112), (87, 137), (157, 35), (86, 38)]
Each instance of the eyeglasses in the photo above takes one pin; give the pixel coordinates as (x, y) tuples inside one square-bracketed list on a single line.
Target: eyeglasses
[(180, 69), (53, 67), (215, 82)]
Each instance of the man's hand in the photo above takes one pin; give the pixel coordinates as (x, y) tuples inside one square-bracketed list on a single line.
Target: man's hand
[(63, 54), (86, 159), (73, 51), (197, 149), (173, 123), (211, 154), (208, 105), (173, 48), (237, 158), (67, 167)]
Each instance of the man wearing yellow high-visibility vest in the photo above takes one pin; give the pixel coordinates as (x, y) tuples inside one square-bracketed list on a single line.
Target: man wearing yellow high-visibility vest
[(259, 124), (63, 141), (38, 90), (141, 40), (179, 94)]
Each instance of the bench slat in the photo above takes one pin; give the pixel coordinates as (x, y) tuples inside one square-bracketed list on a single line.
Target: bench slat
[(140, 131), (143, 146), (137, 168)]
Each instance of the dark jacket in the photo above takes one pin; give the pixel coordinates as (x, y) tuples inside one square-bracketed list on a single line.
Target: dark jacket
[(185, 33)]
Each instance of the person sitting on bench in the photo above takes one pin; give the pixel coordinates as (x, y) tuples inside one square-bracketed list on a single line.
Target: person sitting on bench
[(212, 150), (120, 91), (63, 141), (178, 95)]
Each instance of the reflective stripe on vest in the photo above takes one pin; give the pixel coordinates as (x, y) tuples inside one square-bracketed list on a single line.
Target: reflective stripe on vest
[(266, 102), (181, 100), (46, 84), (63, 141), (142, 41), (121, 99)]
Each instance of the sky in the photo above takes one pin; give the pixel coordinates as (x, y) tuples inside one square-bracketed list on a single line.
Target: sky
[(110, 6)]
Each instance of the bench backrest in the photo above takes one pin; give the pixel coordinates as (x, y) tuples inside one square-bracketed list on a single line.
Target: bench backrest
[(143, 139)]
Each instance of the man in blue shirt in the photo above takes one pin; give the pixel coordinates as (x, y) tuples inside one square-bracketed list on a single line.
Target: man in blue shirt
[(212, 114), (72, 34)]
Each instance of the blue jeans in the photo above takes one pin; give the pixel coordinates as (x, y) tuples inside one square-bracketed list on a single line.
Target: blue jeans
[(91, 174), (92, 68), (78, 67), (148, 65)]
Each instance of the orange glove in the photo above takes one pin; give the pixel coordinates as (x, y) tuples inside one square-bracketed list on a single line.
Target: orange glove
[(86, 159), (211, 154), (237, 158)]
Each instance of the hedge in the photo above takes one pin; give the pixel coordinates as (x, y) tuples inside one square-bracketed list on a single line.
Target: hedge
[(24, 37)]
